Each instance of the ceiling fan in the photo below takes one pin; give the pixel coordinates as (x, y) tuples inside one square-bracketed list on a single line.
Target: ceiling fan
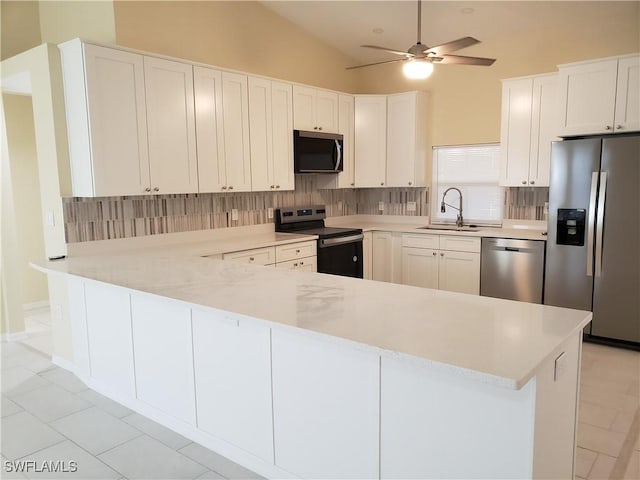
[(419, 59)]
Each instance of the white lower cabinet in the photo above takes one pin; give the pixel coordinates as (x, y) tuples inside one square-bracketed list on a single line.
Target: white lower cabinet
[(233, 381), (443, 262), (326, 408), (109, 338), (307, 264), (163, 356), (367, 255), (382, 256)]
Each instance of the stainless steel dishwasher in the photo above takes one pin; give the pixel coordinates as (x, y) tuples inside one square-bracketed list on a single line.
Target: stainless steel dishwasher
[(512, 269)]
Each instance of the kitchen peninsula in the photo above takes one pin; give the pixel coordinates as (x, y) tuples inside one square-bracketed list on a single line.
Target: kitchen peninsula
[(298, 374)]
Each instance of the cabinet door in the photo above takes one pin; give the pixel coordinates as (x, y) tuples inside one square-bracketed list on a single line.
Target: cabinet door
[(282, 128), (327, 111), (117, 123), (163, 356), (109, 337), (515, 132), (233, 381), (544, 121), (171, 126), (304, 100), (459, 272), (346, 125), (371, 140), (260, 133), (587, 97), (401, 140), (382, 256), (212, 174), (367, 254), (306, 264), (235, 111), (627, 118), (326, 407), (420, 267)]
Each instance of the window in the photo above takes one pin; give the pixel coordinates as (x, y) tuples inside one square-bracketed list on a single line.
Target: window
[(475, 170)]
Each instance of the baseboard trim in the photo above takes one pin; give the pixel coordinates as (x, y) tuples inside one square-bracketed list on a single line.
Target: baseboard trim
[(14, 337), (35, 306), (63, 363)]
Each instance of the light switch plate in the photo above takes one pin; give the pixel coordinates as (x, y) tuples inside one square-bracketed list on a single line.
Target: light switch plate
[(269, 212), (411, 206), (381, 206), (234, 214)]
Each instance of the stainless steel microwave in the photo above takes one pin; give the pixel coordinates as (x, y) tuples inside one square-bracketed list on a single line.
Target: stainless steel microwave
[(317, 152)]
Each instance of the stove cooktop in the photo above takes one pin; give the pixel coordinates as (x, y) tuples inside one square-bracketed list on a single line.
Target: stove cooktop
[(328, 232)]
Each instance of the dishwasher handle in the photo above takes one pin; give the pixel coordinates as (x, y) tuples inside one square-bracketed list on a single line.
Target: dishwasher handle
[(511, 249)]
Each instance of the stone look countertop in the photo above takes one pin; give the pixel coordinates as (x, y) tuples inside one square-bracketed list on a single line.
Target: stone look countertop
[(489, 340)]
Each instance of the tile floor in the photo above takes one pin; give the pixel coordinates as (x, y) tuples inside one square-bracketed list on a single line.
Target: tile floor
[(48, 414)]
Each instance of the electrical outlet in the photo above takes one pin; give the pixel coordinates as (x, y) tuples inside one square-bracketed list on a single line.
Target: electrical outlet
[(234, 214), (381, 206), (411, 206), (269, 212)]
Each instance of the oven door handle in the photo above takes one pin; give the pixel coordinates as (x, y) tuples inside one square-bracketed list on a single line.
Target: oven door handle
[(332, 242)]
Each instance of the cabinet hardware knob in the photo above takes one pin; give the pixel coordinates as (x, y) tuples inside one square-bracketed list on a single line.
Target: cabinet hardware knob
[(618, 127), (272, 186), (230, 187), (442, 254), (434, 254), (156, 189), (608, 127), (297, 251), (319, 128), (301, 263), (251, 259), (295, 265), (147, 189), (381, 183), (524, 182), (410, 183), (277, 186), (224, 187), (532, 182), (315, 128), (353, 184)]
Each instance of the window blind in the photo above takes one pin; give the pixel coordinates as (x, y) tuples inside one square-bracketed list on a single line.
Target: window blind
[(475, 170)]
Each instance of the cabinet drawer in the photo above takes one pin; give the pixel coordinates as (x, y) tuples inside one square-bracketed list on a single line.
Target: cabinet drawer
[(420, 241), (460, 244), (258, 256), (293, 251), (308, 264)]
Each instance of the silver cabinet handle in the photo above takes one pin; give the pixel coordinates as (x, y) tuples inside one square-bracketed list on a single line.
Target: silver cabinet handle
[(442, 254), (271, 186), (315, 128), (295, 265), (434, 254), (381, 183), (618, 127), (353, 184), (224, 187), (591, 222), (148, 189), (297, 251), (251, 259), (410, 183), (156, 189), (230, 187), (277, 186), (602, 197), (532, 182), (319, 128), (608, 127), (524, 182)]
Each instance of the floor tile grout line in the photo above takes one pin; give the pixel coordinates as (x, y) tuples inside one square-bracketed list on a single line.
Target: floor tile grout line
[(626, 451)]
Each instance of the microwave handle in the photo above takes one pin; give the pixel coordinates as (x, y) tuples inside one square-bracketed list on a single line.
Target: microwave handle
[(338, 155)]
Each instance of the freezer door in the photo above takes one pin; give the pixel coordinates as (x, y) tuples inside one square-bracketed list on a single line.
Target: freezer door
[(616, 296), (568, 280)]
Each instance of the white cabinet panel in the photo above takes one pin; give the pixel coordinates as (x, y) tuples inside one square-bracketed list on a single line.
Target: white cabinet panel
[(460, 243), (367, 254), (260, 133), (295, 251), (326, 408), (233, 381), (382, 256), (346, 125), (370, 140), (627, 117), (212, 174), (236, 132), (315, 109), (327, 111), (282, 118), (257, 256), (171, 126), (109, 335), (544, 126), (459, 272), (163, 355), (515, 132), (420, 267), (306, 264), (431, 429)]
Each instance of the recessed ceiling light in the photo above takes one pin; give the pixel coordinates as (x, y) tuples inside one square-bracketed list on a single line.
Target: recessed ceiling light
[(378, 30), (467, 10)]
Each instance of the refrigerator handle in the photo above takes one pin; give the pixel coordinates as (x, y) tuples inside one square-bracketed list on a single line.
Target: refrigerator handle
[(591, 222), (600, 222)]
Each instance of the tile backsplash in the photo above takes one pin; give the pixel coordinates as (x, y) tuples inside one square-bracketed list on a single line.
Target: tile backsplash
[(108, 218)]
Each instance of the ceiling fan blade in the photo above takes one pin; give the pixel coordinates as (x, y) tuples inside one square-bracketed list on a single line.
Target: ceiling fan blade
[(460, 60), (452, 46), (376, 63), (390, 50)]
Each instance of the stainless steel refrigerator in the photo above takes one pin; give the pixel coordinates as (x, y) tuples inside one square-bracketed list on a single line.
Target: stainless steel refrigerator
[(593, 245)]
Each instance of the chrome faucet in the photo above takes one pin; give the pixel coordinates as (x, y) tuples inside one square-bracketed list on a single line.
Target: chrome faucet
[(459, 208)]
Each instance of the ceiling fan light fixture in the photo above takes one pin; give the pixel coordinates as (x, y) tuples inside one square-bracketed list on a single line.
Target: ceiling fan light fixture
[(417, 69)]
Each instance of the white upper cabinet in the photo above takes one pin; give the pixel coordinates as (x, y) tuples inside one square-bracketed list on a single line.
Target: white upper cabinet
[(529, 119), (235, 110), (370, 140), (599, 96), (171, 126), (106, 120), (407, 140), (315, 109), (346, 125), (271, 134)]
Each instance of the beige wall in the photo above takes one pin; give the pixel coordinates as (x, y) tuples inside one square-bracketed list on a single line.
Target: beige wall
[(466, 100), (19, 27), (26, 195), (238, 35), (63, 20)]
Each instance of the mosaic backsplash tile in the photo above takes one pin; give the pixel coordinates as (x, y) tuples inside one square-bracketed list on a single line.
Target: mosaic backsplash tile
[(108, 218)]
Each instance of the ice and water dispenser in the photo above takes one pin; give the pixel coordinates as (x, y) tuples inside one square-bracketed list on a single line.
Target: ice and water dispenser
[(571, 226)]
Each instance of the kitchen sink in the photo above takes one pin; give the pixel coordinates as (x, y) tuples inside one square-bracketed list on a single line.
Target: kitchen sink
[(453, 228)]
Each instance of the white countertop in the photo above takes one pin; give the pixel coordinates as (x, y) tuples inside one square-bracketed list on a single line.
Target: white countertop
[(490, 340)]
